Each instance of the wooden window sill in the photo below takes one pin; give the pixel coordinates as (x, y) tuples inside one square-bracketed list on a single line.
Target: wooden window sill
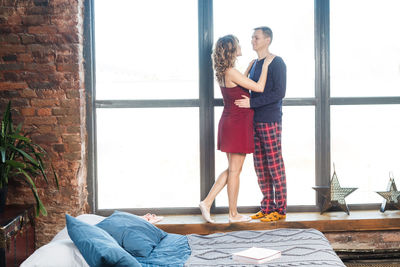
[(366, 220)]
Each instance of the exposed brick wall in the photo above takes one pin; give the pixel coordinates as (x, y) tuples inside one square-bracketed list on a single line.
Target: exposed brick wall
[(365, 240), (41, 72)]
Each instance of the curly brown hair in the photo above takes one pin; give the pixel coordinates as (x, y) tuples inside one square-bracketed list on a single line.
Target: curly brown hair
[(224, 55)]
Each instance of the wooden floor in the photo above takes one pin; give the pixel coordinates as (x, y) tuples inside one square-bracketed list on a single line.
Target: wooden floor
[(328, 222)]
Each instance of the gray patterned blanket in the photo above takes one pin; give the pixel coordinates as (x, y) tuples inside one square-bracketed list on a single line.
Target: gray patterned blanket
[(299, 247)]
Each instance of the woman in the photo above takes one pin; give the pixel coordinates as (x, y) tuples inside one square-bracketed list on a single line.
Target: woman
[(235, 130)]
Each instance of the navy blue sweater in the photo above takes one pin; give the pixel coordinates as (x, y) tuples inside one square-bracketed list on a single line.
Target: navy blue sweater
[(268, 104)]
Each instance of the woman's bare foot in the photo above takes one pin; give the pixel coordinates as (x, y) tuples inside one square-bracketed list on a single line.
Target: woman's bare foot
[(205, 212), (239, 218)]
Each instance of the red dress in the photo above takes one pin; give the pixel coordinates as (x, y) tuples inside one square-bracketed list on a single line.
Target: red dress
[(235, 129)]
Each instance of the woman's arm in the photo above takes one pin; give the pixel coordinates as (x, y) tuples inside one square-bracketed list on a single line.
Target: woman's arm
[(275, 94), (246, 73), (238, 78)]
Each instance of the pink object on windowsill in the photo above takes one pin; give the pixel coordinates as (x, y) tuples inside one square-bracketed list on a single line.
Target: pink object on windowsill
[(152, 218)]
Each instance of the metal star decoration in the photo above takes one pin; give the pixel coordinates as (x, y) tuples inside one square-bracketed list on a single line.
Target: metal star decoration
[(334, 195), (391, 197)]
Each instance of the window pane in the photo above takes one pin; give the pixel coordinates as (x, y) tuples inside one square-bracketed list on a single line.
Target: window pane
[(148, 158), (298, 148), (146, 49), (365, 52), (365, 148), (293, 39)]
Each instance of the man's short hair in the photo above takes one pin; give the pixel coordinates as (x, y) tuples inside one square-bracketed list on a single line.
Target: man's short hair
[(266, 31)]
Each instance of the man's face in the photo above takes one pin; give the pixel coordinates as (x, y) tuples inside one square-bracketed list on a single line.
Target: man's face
[(259, 40)]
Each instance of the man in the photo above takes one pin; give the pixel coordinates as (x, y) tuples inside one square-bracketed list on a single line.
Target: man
[(268, 161)]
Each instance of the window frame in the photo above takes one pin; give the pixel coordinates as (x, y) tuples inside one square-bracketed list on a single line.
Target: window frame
[(322, 101)]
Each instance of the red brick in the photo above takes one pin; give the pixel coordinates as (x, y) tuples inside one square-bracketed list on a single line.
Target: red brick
[(27, 38), (73, 129), (72, 94), (56, 77), (70, 103), (19, 102), (71, 37), (74, 147), (44, 112), (71, 138), (13, 85), (53, 39), (5, 29), (65, 58), (25, 58), (6, 11), (14, 19), (59, 94), (27, 93), (28, 112), (59, 111), (42, 49), (47, 139), (42, 29), (73, 156), (44, 129), (10, 39), (70, 120), (48, 67), (11, 49), (39, 10), (44, 102), (34, 20), (13, 3), (59, 147), (41, 2), (41, 85), (41, 120), (68, 67), (8, 58), (11, 76)]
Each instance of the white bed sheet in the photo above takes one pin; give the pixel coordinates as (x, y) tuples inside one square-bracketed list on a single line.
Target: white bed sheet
[(61, 251)]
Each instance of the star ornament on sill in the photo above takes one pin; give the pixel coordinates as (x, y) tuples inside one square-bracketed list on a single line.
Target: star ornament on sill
[(334, 195), (391, 197)]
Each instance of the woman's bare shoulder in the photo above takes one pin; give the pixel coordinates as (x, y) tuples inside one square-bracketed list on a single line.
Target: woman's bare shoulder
[(231, 72)]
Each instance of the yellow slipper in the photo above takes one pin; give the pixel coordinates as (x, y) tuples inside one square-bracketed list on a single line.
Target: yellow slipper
[(258, 215), (273, 216)]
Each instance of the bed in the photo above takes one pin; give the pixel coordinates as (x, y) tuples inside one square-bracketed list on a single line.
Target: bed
[(299, 247)]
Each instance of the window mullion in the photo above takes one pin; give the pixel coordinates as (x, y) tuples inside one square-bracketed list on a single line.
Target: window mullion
[(322, 94), (206, 94)]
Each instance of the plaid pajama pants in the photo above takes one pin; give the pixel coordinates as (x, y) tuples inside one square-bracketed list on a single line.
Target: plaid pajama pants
[(269, 166)]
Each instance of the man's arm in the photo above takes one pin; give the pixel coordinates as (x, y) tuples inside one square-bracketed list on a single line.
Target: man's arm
[(277, 93)]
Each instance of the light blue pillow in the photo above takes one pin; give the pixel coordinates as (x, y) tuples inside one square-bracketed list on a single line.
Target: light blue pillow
[(134, 234), (97, 246)]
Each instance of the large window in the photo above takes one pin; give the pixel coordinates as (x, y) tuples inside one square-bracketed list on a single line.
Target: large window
[(146, 99), (294, 41), (144, 52), (365, 82), (156, 105)]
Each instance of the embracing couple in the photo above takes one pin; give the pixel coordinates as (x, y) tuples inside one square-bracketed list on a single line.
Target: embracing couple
[(250, 123)]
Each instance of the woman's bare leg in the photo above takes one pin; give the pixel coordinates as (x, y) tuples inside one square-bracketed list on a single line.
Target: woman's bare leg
[(217, 187), (235, 167)]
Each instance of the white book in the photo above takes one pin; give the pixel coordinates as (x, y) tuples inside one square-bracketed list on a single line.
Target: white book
[(256, 255)]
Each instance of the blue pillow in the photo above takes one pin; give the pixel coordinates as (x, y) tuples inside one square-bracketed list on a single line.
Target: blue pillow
[(97, 246), (134, 234)]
